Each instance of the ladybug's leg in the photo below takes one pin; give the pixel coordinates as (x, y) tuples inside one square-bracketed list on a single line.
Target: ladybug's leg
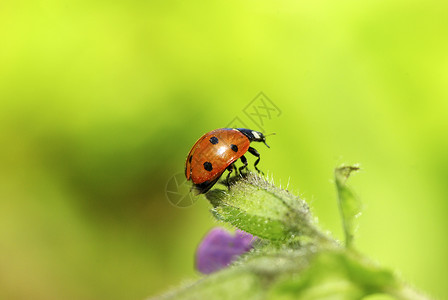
[(236, 169), (255, 153), (230, 169), (244, 161)]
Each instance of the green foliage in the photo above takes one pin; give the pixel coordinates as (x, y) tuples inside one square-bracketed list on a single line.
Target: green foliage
[(349, 205), (294, 258), (231, 283), (258, 207)]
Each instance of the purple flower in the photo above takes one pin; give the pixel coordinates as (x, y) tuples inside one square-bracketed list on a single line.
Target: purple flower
[(220, 248)]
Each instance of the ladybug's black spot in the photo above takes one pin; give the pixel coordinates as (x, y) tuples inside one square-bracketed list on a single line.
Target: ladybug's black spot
[(214, 140), (208, 166), (189, 160), (234, 147)]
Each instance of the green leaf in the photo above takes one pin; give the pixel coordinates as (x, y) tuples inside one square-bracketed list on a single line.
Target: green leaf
[(335, 275), (280, 274), (249, 278), (349, 205), (232, 283), (264, 210), (282, 265)]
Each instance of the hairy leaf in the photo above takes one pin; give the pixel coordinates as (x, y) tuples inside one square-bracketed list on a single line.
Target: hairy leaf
[(349, 204)]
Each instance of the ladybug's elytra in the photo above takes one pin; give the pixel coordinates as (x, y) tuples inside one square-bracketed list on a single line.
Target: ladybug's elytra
[(216, 151)]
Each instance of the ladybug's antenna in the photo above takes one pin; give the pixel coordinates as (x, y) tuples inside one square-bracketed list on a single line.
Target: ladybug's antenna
[(264, 139)]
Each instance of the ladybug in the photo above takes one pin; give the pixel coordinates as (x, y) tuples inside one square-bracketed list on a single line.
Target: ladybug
[(217, 151)]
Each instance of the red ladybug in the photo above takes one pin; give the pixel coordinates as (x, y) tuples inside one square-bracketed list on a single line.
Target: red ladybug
[(217, 151)]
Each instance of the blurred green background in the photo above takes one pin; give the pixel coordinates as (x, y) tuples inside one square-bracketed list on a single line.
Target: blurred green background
[(100, 102)]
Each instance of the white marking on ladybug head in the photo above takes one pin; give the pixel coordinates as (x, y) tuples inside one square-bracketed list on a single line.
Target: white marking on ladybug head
[(256, 135)]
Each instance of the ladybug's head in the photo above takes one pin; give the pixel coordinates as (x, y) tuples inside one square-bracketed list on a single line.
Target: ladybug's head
[(253, 136)]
